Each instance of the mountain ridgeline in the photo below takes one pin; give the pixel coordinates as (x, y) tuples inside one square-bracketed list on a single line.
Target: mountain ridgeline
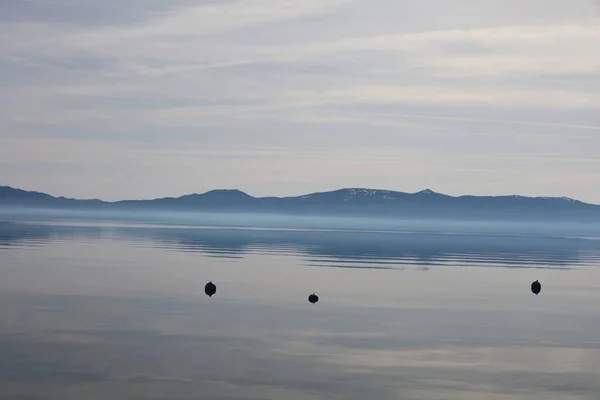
[(360, 202)]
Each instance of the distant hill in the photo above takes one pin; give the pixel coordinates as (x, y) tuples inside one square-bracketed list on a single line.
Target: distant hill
[(354, 201), (12, 196)]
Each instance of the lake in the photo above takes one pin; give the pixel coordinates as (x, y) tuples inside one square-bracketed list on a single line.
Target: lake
[(95, 310)]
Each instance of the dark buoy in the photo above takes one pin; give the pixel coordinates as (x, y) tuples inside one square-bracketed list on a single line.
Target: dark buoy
[(536, 287), (313, 298), (210, 289)]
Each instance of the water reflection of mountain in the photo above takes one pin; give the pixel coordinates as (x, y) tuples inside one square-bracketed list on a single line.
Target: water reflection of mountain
[(378, 250), (349, 249), (15, 234)]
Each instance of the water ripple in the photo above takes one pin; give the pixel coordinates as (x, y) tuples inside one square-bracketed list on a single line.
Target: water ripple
[(339, 249)]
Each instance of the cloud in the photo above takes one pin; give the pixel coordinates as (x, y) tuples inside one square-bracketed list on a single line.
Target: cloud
[(253, 73)]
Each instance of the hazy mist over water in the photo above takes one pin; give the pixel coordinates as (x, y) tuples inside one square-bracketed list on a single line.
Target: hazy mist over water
[(96, 310), (289, 221)]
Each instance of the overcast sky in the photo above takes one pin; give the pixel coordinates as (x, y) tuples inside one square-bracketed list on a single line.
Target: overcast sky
[(149, 98)]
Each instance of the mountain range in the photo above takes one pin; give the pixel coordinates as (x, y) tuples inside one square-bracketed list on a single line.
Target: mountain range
[(353, 201)]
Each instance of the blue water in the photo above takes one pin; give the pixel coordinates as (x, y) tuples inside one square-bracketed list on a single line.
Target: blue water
[(102, 310)]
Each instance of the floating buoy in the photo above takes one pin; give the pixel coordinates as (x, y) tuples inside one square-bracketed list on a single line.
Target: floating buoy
[(313, 298), (210, 289), (536, 287)]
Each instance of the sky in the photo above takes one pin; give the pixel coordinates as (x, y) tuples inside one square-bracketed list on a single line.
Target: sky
[(149, 98)]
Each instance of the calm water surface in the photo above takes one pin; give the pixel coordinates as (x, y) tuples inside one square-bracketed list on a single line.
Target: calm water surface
[(118, 312)]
